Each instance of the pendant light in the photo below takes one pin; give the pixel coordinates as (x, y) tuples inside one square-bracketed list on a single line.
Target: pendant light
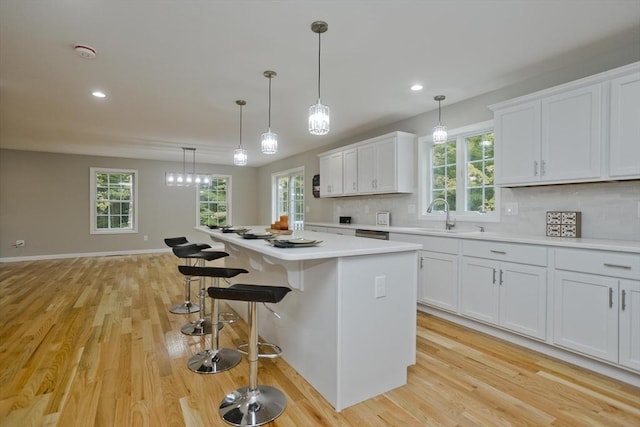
[(240, 154), (319, 113), (269, 139), (439, 130), (184, 178)]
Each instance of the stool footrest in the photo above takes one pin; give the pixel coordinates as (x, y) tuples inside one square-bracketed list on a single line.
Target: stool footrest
[(275, 351)]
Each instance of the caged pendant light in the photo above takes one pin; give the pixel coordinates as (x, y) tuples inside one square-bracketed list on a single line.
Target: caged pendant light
[(319, 113), (269, 139), (439, 130), (240, 154)]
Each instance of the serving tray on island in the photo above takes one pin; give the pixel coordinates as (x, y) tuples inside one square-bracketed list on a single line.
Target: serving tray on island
[(265, 235)]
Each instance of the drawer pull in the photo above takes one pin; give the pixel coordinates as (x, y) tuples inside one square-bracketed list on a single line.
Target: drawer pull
[(610, 297), (497, 252), (626, 267), (624, 294)]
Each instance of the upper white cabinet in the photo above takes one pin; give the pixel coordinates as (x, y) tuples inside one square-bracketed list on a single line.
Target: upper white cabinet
[(331, 183), (624, 136), (375, 166), (582, 131)]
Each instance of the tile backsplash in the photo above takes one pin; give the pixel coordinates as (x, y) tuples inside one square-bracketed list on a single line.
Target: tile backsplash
[(609, 209)]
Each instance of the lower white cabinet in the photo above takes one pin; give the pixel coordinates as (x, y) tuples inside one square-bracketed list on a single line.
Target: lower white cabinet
[(597, 304), (512, 295), (438, 280)]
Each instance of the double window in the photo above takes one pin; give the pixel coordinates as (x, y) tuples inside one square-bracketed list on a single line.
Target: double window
[(288, 196), (214, 201), (460, 171), (114, 200)]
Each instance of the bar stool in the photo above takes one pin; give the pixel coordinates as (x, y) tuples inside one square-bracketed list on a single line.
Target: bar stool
[(187, 306), (190, 252), (175, 241), (213, 359), (256, 404)]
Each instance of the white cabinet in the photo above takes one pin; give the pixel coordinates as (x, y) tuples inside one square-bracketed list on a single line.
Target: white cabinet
[(624, 136), (438, 276), (331, 175), (376, 166), (582, 131), (350, 171), (506, 285), (550, 140), (597, 304)]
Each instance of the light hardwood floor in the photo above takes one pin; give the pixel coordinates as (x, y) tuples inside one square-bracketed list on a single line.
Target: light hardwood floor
[(90, 341)]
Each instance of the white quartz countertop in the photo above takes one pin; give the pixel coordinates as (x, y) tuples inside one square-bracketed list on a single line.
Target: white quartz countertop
[(630, 246), (332, 246)]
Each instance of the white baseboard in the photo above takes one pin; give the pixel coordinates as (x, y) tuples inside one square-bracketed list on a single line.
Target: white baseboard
[(83, 255)]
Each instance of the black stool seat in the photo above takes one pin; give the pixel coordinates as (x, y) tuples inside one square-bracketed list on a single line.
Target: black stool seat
[(250, 293), (177, 241), (221, 272), (192, 251)]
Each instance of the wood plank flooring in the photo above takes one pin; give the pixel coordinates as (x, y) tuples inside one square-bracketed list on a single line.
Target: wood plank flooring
[(90, 342)]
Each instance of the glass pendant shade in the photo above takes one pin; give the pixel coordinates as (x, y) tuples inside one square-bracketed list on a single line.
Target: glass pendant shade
[(269, 142), (184, 178), (439, 130), (240, 157), (319, 120), (439, 134)]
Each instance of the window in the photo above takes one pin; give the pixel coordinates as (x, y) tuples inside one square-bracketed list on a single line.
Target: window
[(288, 196), (114, 200), (214, 201), (460, 172)]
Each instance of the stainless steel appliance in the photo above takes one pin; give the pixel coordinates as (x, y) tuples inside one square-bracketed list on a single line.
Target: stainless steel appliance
[(372, 234)]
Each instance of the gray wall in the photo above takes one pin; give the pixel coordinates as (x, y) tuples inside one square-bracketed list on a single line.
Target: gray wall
[(44, 199)]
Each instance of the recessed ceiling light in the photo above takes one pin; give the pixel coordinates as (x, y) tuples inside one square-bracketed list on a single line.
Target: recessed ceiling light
[(416, 87), (98, 94)]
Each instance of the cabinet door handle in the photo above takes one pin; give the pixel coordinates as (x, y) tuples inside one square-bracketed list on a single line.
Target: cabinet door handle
[(626, 267), (497, 252), (535, 168), (624, 294), (610, 297), (543, 169), (421, 262), (501, 277), (494, 276)]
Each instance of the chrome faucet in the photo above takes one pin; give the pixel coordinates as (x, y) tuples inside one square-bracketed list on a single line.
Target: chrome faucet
[(448, 224)]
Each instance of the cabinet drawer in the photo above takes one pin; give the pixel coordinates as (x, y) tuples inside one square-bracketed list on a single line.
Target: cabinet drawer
[(447, 245), (613, 264), (523, 254)]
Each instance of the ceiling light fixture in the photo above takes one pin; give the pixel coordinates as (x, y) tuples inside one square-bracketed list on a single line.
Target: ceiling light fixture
[(269, 139), (319, 113), (240, 154), (84, 51), (186, 179), (99, 94), (439, 130)]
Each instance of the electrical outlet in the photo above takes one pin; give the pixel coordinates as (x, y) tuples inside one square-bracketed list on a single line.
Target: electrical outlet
[(145, 238), (20, 243), (380, 286)]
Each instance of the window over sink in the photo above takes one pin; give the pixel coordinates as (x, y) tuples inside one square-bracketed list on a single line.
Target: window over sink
[(461, 172)]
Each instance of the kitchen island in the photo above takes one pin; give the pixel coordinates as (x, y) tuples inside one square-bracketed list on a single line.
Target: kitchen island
[(349, 326)]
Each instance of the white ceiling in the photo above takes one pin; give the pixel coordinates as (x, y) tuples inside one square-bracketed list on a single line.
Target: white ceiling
[(172, 70)]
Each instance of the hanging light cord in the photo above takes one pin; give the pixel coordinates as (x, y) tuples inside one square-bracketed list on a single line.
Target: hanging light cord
[(439, 113), (269, 104), (319, 50), (240, 126)]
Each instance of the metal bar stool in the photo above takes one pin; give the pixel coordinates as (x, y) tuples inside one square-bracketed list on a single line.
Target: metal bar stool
[(189, 253), (256, 404), (213, 359)]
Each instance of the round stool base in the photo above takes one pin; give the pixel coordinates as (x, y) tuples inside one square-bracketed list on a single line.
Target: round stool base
[(199, 327), (212, 362), (185, 308), (244, 407), (274, 350)]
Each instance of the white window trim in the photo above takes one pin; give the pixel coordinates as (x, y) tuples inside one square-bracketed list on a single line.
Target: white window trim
[(274, 188), (424, 161), (92, 198), (229, 204)]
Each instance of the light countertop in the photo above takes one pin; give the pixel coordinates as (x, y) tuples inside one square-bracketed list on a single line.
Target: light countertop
[(332, 246), (600, 244)]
